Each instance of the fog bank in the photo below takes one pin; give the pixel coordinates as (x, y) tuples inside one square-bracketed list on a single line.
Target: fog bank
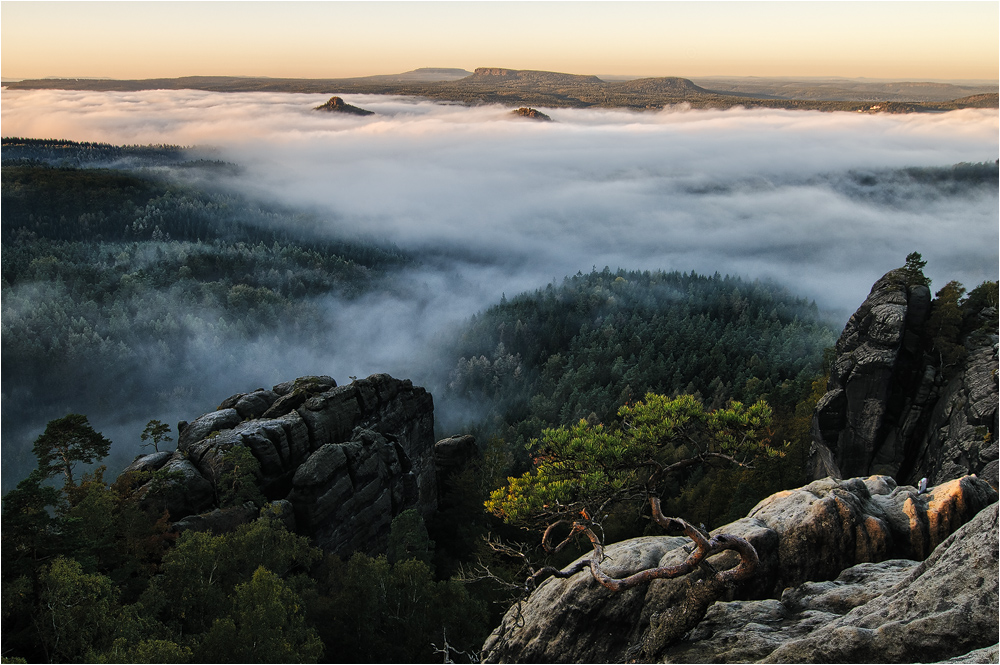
[(494, 204)]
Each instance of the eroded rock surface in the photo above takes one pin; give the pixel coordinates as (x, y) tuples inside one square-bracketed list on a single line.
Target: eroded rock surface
[(891, 409), (903, 611), (345, 459), (946, 607), (811, 534)]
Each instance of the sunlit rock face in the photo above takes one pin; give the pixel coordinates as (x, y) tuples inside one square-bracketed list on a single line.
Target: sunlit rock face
[(897, 610), (811, 534), (347, 459), (889, 409)]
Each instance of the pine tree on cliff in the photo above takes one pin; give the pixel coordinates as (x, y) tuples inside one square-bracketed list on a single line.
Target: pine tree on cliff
[(581, 472)]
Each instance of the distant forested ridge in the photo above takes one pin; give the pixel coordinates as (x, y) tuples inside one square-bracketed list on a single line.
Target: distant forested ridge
[(518, 87), (109, 274)]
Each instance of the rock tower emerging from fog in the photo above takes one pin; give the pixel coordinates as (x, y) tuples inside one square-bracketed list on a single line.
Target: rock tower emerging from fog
[(890, 407)]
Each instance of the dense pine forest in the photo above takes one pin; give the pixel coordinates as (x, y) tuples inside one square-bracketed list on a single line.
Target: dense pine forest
[(109, 272), (116, 258)]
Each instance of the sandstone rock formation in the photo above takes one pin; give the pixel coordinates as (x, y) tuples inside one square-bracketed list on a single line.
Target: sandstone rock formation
[(337, 105), (894, 611), (342, 461), (533, 114), (889, 407), (811, 534)]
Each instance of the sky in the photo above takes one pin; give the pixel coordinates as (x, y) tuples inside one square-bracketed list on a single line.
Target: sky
[(887, 40)]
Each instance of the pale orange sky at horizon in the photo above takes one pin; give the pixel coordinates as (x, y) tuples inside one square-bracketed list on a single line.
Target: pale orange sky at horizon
[(881, 40)]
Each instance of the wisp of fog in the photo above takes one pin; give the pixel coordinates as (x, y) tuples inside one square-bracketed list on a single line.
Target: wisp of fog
[(492, 204)]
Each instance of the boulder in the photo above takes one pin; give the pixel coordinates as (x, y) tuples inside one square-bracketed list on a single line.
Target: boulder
[(946, 607), (575, 620), (150, 462), (202, 427), (255, 404), (746, 631), (812, 534), (182, 490)]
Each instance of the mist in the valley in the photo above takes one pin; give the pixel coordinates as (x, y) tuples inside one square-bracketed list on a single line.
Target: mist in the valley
[(489, 204)]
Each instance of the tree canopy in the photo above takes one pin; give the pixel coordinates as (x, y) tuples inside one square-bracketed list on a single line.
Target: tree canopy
[(67, 441)]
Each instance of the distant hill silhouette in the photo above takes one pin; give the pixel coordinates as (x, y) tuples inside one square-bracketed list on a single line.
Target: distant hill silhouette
[(530, 88)]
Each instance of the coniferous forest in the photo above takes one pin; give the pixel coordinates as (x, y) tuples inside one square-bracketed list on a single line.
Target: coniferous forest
[(129, 270)]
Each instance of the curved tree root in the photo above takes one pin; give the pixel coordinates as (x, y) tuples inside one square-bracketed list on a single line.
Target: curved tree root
[(704, 547)]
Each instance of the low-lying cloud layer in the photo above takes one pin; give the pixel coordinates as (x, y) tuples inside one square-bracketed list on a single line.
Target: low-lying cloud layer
[(496, 204)]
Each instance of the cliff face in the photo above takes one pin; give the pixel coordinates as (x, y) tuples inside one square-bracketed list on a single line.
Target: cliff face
[(811, 539), (339, 462), (889, 407)]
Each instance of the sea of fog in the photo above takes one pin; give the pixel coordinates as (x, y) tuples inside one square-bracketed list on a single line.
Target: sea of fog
[(498, 205)]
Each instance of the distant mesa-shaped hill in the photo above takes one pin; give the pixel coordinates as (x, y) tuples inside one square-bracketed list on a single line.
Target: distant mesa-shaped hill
[(337, 105), (660, 85), (493, 75)]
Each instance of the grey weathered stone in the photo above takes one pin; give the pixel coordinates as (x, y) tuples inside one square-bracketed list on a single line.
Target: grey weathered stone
[(962, 437), (311, 383), (746, 631), (150, 462), (346, 494), (575, 619), (184, 492), (813, 533), (890, 409), (344, 460), (215, 421), (220, 520), (947, 606), (253, 405)]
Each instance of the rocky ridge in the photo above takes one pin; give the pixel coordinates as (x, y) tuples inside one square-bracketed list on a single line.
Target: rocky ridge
[(338, 462), (812, 534), (890, 409)]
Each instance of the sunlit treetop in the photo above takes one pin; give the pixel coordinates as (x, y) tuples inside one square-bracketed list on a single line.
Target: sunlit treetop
[(580, 471)]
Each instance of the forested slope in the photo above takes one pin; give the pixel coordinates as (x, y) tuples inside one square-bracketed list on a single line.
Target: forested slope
[(131, 281), (584, 348)]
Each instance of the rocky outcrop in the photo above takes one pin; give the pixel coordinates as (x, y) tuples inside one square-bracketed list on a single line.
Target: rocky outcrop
[(810, 534), (338, 105), (890, 408), (894, 611), (341, 461), (962, 435), (530, 113), (878, 360)]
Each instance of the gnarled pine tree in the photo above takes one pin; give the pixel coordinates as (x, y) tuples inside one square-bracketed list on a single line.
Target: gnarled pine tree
[(582, 471)]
